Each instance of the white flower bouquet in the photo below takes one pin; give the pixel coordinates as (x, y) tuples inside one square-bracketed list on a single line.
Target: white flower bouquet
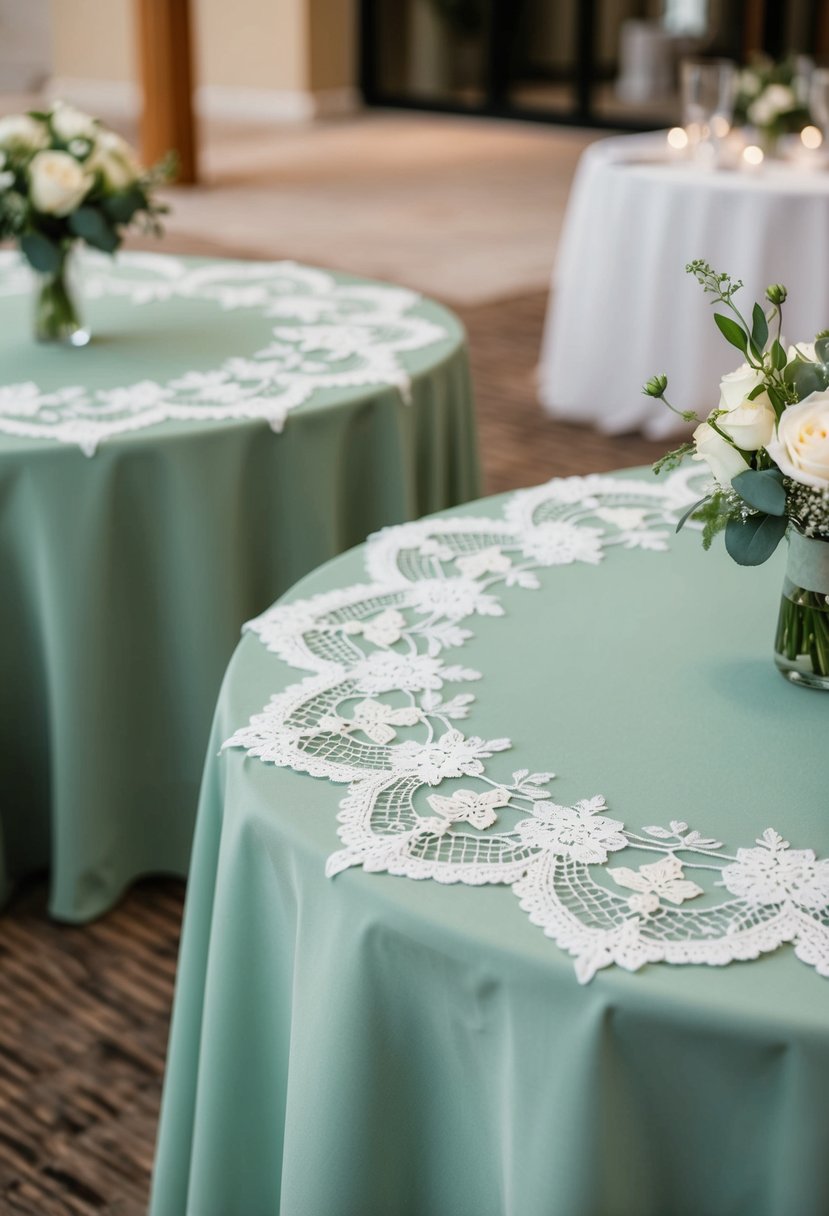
[(768, 99), (766, 444), (64, 178)]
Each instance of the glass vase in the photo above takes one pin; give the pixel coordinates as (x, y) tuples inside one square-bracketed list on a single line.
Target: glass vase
[(801, 648), (56, 316)]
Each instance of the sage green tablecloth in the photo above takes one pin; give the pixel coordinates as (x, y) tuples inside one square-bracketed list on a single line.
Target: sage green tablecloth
[(125, 576), (368, 1045)]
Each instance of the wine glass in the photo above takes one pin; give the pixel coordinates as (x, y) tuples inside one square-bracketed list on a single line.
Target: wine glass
[(819, 99), (708, 91)]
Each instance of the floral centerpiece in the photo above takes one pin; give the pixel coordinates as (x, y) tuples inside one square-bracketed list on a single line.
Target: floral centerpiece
[(65, 178), (768, 99), (766, 445)]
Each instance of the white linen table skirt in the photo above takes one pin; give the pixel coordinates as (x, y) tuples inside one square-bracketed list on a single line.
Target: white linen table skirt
[(622, 307)]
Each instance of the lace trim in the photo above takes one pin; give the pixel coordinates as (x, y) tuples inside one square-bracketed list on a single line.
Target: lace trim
[(325, 335), (380, 713)]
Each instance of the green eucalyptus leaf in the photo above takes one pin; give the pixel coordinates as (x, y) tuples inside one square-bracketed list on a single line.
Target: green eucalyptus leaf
[(92, 226), (822, 350), (121, 207), (752, 541), (806, 378), (732, 332), (759, 329), (762, 490), (41, 253)]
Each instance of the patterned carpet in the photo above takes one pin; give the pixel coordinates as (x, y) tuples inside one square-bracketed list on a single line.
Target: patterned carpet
[(84, 1011)]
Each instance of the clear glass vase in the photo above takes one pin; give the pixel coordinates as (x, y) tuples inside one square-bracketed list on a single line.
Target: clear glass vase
[(56, 317), (801, 647)]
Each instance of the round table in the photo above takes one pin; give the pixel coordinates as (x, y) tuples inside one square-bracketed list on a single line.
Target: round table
[(512, 1033), (622, 307), (231, 426)]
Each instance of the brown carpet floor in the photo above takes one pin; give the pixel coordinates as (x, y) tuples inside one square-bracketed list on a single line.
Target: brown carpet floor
[(84, 1011)]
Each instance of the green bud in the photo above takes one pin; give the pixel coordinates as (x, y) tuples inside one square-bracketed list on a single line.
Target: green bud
[(777, 293), (824, 333), (656, 386)]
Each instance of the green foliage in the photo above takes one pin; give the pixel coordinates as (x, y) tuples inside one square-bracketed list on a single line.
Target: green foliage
[(778, 355), (805, 377), (732, 332), (671, 459), (751, 541), (91, 225), (120, 208), (759, 329), (42, 254), (713, 513), (762, 490)]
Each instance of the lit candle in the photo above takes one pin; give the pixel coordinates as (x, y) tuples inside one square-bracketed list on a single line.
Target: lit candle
[(811, 138), (752, 158), (677, 141)]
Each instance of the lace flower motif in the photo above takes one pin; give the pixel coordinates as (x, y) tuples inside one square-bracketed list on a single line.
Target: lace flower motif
[(776, 874), (465, 806), (388, 671), (663, 879), (374, 719), (452, 755), (578, 832), (558, 543), (488, 561), (453, 598), (382, 630)]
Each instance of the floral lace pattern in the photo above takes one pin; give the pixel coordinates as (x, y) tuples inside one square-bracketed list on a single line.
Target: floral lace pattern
[(325, 334), (380, 711)]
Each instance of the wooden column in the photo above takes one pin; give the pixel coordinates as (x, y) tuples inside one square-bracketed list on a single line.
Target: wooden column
[(166, 74), (753, 24)]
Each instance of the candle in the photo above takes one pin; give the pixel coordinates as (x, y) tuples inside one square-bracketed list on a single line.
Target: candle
[(752, 158), (677, 142)]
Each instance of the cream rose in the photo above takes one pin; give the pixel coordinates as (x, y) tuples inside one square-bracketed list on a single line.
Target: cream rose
[(115, 160), (805, 350), (749, 423), (22, 132), (724, 461), (801, 447), (736, 386), (69, 123), (57, 183)]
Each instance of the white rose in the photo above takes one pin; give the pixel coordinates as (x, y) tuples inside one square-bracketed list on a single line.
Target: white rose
[(760, 113), (21, 132), (749, 83), (724, 461), (801, 447), (57, 183), (115, 160), (779, 98), (750, 425), (736, 386), (806, 350), (69, 123)]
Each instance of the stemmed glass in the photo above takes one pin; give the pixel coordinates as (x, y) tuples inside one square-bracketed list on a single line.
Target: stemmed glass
[(708, 91), (819, 99)]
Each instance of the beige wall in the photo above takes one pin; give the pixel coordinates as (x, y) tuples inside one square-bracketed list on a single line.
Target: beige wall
[(93, 39), (290, 45)]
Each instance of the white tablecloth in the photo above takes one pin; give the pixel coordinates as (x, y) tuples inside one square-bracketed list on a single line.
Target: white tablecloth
[(622, 307)]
